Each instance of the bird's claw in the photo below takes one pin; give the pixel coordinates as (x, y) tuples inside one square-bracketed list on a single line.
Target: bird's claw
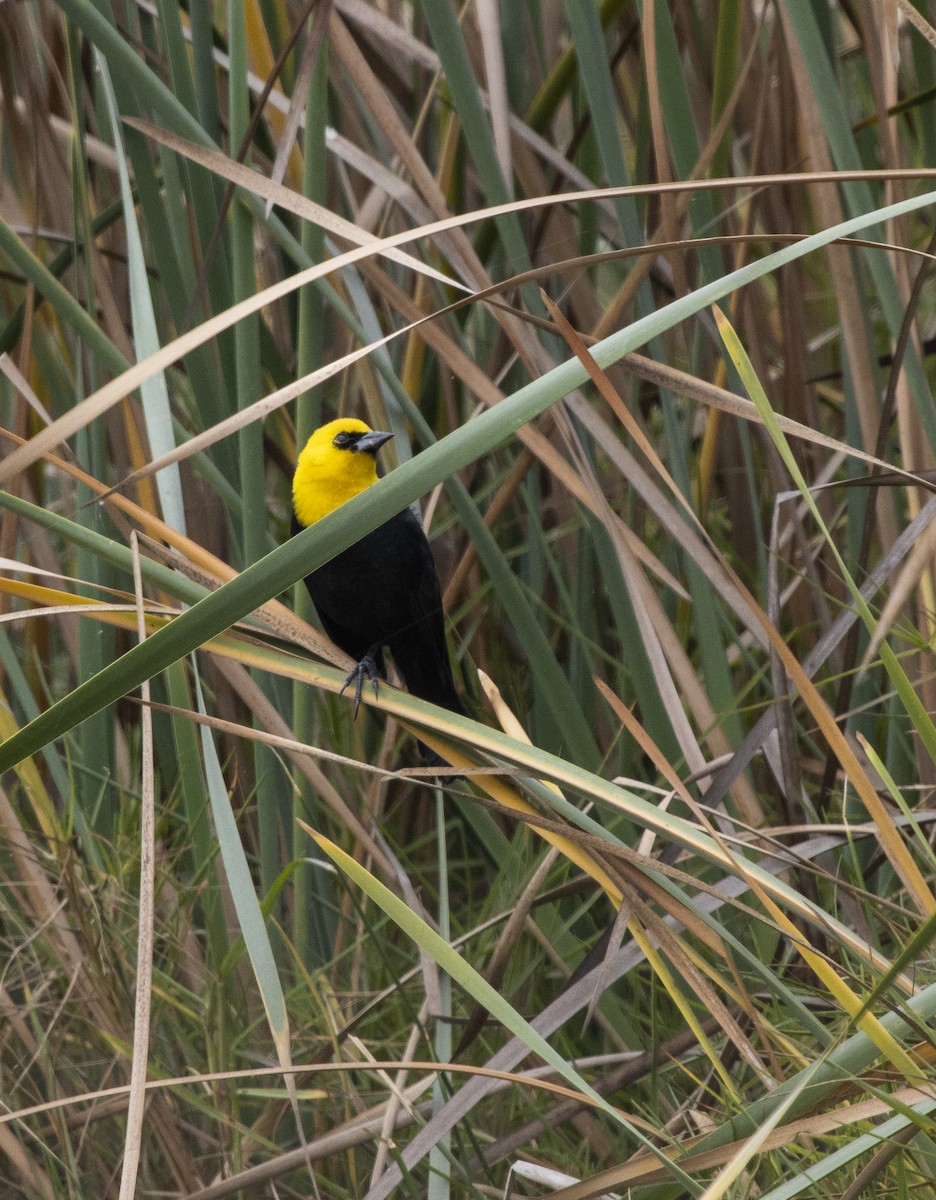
[(366, 667)]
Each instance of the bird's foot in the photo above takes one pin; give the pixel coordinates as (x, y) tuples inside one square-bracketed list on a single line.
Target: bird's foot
[(366, 667)]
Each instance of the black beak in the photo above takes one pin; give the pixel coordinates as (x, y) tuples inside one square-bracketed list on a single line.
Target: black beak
[(370, 443)]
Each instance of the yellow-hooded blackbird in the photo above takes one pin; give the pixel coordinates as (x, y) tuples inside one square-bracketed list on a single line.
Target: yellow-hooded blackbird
[(382, 592)]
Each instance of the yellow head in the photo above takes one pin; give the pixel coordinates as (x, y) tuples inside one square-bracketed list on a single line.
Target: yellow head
[(339, 460)]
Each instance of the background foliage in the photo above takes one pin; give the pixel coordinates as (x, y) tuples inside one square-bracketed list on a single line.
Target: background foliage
[(238, 930)]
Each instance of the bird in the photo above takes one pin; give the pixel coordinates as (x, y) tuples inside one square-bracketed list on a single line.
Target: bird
[(382, 593)]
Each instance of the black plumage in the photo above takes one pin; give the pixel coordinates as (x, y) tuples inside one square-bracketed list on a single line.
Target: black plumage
[(382, 593)]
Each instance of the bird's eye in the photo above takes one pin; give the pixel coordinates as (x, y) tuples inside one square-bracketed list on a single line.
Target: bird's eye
[(342, 440)]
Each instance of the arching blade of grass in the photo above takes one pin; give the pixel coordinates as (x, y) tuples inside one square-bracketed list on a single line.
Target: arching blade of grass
[(286, 565)]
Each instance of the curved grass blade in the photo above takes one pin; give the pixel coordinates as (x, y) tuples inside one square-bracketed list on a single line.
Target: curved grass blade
[(287, 564)]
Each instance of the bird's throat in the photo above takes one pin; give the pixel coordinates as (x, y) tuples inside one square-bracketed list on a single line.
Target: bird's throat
[(318, 491)]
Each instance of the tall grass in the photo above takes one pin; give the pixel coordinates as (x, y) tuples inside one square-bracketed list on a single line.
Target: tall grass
[(642, 290)]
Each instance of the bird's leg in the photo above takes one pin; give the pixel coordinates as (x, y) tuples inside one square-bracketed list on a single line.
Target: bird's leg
[(367, 666)]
